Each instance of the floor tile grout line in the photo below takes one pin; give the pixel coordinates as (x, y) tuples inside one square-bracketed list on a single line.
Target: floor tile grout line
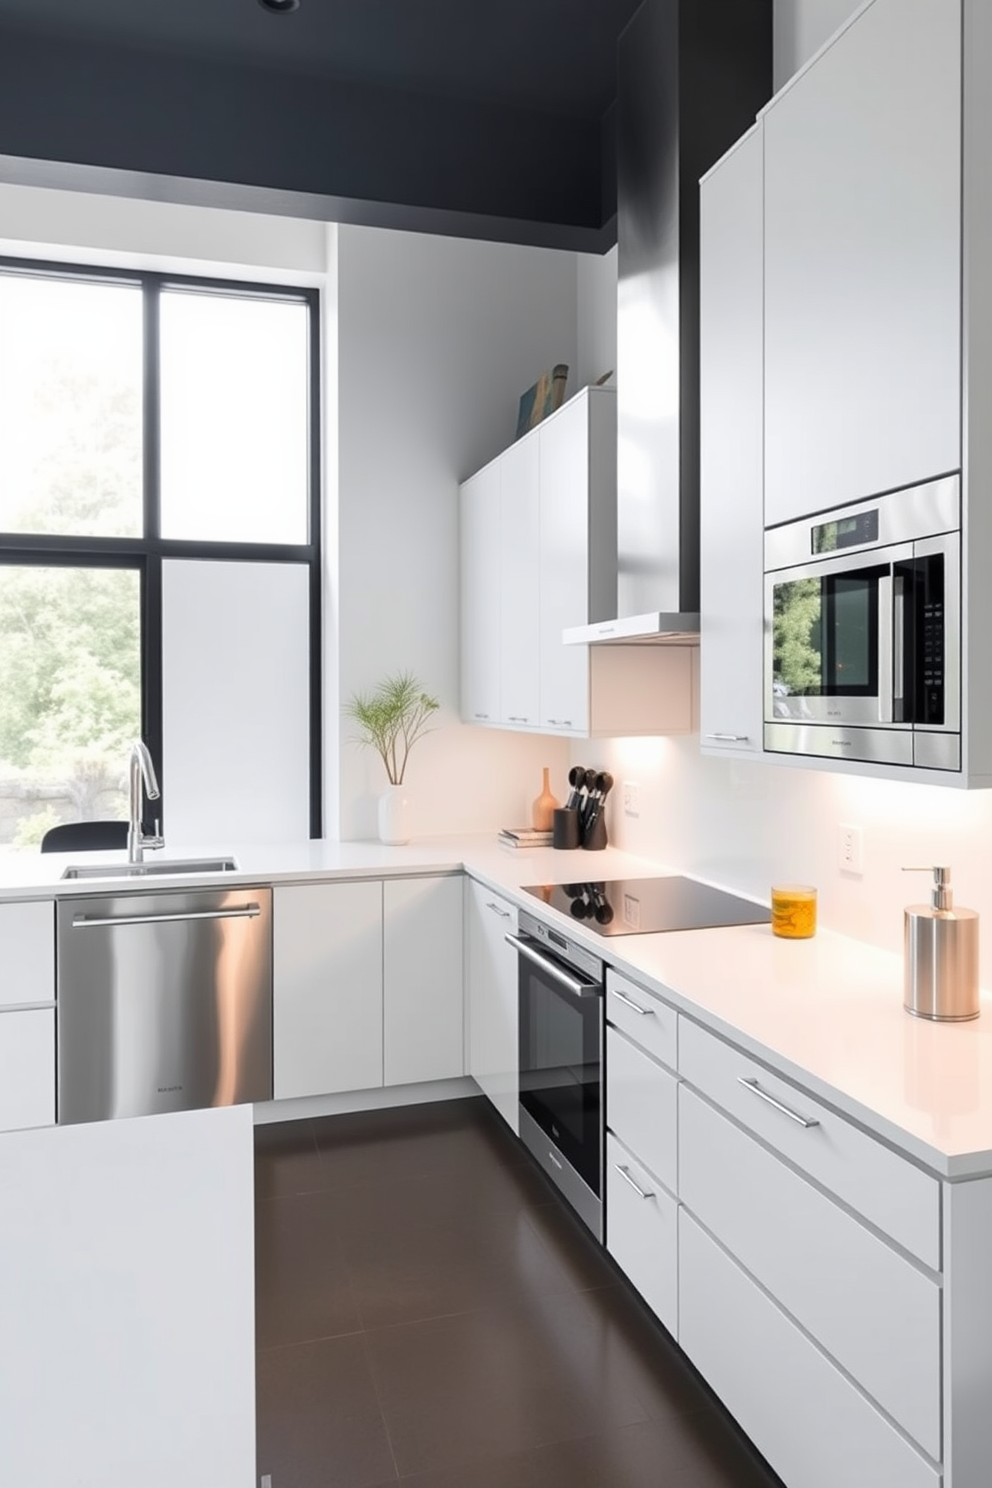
[(370, 1361)]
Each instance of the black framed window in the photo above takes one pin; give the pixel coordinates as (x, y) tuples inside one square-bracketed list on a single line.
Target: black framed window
[(142, 417)]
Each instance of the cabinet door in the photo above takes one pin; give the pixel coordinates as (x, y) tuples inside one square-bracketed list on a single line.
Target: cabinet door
[(27, 1069), (422, 980), (812, 1424), (862, 263), (327, 987), (564, 553), (642, 1231), (492, 1000), (731, 330), (519, 562), (27, 952), (480, 596)]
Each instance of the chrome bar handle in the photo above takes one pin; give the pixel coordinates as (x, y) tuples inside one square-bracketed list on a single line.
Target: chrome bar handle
[(756, 1089), (504, 914), (885, 632), (729, 738), (236, 912), (571, 984), (625, 1175), (899, 648), (628, 1002)]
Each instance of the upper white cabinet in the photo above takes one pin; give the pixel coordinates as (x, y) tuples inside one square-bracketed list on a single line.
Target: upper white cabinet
[(492, 999), (731, 328), (481, 598), (327, 987), (422, 979), (863, 263), (538, 548)]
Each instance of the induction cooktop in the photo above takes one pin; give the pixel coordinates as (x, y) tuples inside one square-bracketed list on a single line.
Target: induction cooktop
[(645, 906)]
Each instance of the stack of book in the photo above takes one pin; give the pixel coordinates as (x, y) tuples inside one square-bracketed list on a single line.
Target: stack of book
[(524, 837)]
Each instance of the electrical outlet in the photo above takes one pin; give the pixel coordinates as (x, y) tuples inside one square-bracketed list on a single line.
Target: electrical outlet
[(849, 849), (631, 798)]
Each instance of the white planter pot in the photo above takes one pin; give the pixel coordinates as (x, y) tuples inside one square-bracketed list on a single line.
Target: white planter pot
[(394, 816)]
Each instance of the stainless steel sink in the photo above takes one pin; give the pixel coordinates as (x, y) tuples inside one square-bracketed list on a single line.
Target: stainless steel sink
[(153, 869)]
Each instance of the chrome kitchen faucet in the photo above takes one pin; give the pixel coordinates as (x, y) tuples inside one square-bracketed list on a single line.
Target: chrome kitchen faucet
[(141, 771)]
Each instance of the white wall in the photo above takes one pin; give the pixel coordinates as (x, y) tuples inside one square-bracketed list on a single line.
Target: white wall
[(799, 28), (437, 339)]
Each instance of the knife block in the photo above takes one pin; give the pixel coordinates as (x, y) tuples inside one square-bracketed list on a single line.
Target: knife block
[(595, 837)]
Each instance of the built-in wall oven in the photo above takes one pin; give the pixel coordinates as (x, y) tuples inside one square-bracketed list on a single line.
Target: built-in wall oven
[(561, 1063), (863, 630)]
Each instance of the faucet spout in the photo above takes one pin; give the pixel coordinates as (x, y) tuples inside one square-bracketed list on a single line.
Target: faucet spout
[(141, 774)]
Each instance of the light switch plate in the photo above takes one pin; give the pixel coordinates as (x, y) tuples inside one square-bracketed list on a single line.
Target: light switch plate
[(850, 849), (631, 798)]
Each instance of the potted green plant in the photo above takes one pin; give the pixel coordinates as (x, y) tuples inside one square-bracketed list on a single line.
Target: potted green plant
[(390, 720)]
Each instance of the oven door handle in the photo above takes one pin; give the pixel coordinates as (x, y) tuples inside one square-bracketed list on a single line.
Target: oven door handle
[(577, 987)]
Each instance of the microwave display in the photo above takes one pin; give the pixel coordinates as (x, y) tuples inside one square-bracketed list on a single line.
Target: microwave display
[(845, 532)]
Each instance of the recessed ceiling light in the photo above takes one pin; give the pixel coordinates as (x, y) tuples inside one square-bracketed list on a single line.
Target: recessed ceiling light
[(279, 7)]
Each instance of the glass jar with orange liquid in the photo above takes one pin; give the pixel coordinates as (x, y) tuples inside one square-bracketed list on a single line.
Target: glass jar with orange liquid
[(793, 911)]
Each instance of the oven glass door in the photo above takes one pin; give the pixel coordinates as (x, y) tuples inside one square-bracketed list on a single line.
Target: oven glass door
[(831, 644), (561, 1037)]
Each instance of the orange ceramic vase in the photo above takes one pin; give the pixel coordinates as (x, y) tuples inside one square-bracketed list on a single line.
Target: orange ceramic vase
[(544, 805)]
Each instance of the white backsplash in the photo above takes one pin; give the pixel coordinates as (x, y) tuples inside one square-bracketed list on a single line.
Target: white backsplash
[(745, 825)]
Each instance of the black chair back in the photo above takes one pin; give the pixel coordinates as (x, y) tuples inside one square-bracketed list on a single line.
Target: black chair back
[(85, 836)]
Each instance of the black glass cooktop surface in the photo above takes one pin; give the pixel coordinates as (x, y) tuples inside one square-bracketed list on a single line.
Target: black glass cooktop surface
[(645, 906)]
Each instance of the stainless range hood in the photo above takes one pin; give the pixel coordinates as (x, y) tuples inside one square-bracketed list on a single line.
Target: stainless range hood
[(692, 76)]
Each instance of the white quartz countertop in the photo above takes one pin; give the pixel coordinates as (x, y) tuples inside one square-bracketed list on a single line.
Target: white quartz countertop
[(826, 1012)]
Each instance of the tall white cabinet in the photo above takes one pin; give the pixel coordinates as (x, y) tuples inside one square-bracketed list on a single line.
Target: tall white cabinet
[(731, 334), (481, 596), (863, 262)]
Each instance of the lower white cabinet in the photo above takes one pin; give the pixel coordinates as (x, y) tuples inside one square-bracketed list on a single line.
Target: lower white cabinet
[(493, 1020), (641, 1231), (327, 987), (27, 951), (641, 1159), (867, 1306), (423, 1036), (814, 1426), (27, 1068)]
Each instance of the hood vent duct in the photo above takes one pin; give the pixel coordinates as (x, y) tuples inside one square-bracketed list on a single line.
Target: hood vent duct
[(692, 76)]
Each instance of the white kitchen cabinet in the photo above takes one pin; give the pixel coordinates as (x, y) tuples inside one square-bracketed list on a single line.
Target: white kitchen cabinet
[(863, 262), (479, 505), (539, 556), (27, 1068), (641, 1143), (520, 588), (423, 1035), (731, 334), (493, 1020), (809, 1420), (27, 952), (868, 1306), (327, 987)]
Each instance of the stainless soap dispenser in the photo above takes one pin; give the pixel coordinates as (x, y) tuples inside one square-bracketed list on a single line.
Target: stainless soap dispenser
[(941, 955)]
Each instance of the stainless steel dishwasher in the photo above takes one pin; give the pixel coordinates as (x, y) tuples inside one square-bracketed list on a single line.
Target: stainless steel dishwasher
[(164, 1002)]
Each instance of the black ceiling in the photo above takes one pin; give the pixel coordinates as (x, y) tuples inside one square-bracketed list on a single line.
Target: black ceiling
[(490, 116)]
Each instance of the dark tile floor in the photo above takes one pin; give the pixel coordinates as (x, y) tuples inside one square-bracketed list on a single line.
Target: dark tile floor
[(428, 1311)]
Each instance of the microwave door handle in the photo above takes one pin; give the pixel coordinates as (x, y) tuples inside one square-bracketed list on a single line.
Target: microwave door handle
[(899, 648), (885, 646)]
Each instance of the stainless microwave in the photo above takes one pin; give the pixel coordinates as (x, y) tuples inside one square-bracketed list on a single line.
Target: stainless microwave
[(862, 622)]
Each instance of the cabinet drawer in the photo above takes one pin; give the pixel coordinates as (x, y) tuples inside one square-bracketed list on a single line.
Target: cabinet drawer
[(642, 1017), (642, 1232), (27, 952), (642, 1106), (814, 1426), (870, 1308), (887, 1189), (27, 1069)]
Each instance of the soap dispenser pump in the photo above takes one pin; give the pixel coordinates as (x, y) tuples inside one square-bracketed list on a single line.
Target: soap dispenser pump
[(941, 955)]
